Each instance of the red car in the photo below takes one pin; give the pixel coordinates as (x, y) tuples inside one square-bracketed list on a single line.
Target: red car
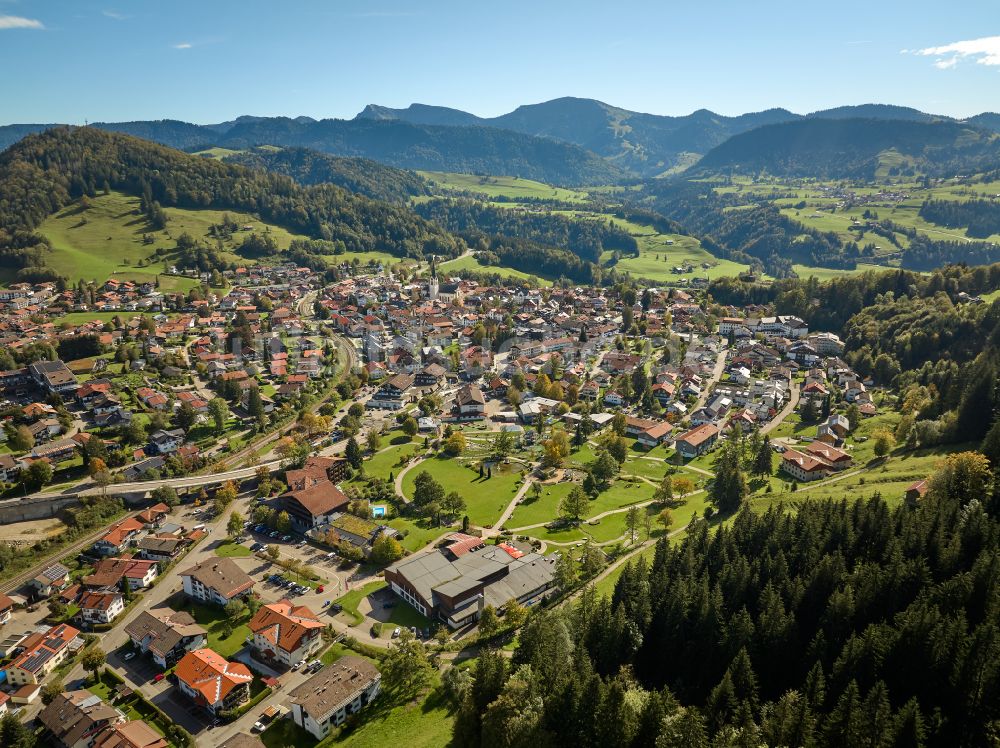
[(158, 677), (319, 588)]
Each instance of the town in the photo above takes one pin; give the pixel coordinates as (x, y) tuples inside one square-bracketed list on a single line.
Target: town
[(276, 483)]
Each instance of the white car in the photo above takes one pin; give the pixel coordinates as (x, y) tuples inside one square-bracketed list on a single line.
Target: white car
[(128, 656), (395, 632), (298, 664)]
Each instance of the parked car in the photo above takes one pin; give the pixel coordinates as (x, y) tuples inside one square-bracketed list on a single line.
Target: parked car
[(395, 633), (286, 538), (319, 588), (128, 656), (158, 677), (336, 608), (298, 664)]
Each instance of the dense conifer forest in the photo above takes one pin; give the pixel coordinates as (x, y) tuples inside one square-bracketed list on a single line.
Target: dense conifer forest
[(839, 624)]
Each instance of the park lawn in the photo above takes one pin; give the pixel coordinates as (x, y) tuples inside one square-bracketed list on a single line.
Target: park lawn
[(382, 463), (545, 508), (566, 534), (352, 599), (364, 258), (229, 549), (580, 457), (418, 533), (621, 493), (427, 724), (213, 618), (485, 498), (652, 469)]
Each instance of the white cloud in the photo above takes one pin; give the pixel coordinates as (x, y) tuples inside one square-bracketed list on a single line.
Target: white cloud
[(183, 45), (114, 14), (17, 22), (985, 51)]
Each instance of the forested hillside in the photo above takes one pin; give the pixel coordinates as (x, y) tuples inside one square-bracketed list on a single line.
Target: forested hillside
[(852, 148), (46, 171), (361, 175), (587, 239), (980, 218), (471, 150), (841, 624)]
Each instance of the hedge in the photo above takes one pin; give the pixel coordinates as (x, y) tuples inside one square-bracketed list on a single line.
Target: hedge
[(244, 708)]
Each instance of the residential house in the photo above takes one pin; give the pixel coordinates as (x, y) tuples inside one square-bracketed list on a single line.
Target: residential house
[(119, 572), (285, 633), (217, 581), (134, 734), (392, 394), (696, 441), (52, 579), (469, 402), (803, 466), (166, 634), (53, 376), (314, 505), (327, 698), (75, 719), (6, 609), (101, 607), (165, 441), (41, 653), (211, 681), (121, 535)]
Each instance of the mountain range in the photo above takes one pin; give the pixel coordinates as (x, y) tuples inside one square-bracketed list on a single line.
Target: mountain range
[(646, 144), (564, 141)]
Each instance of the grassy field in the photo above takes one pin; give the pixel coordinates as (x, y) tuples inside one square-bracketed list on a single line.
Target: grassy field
[(471, 264), (509, 187), (418, 533), (107, 239), (485, 498), (381, 464), (213, 618), (228, 549)]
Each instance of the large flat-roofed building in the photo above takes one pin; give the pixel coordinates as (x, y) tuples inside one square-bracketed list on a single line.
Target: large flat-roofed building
[(335, 692), (455, 585), (53, 376)]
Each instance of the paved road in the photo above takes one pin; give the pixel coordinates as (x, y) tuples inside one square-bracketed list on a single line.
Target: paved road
[(495, 530), (793, 401)]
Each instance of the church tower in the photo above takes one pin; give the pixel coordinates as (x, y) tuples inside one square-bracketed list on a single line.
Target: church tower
[(432, 284)]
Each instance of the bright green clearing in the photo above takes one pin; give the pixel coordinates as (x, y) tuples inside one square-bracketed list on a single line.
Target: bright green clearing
[(509, 187), (228, 549), (107, 239), (485, 498), (214, 619), (471, 264)]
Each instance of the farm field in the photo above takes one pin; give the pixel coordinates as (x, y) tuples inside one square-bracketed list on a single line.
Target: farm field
[(107, 239), (508, 187)]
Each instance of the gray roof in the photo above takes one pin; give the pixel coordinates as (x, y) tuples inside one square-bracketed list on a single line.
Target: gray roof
[(333, 686), (526, 574)]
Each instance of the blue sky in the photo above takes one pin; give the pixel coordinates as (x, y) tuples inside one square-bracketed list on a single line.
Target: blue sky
[(211, 60)]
